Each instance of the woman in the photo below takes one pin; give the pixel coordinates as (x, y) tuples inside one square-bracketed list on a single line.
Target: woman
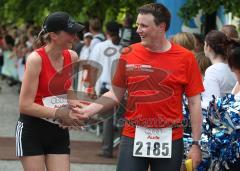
[(234, 64), (218, 79), (40, 142)]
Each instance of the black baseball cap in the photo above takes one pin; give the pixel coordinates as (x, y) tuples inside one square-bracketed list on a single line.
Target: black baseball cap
[(61, 21)]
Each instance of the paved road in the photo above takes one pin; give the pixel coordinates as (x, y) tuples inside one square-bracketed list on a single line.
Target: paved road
[(16, 166)]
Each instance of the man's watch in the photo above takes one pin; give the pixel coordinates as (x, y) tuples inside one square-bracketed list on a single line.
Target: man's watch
[(198, 143)]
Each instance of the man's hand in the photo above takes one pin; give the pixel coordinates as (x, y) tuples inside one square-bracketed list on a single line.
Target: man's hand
[(74, 103), (81, 113), (196, 155)]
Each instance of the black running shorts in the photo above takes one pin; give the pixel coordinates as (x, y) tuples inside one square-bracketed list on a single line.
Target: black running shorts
[(35, 136)]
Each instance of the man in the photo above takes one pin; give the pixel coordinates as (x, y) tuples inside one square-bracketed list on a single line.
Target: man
[(155, 73), (127, 32), (95, 28), (106, 53)]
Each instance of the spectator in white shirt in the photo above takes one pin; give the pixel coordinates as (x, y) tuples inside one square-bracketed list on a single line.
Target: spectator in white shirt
[(218, 79), (84, 55), (95, 27), (85, 52), (107, 53)]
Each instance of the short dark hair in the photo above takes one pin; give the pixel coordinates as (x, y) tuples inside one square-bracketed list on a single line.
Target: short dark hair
[(129, 20), (159, 11), (199, 37), (112, 27), (95, 24), (9, 40)]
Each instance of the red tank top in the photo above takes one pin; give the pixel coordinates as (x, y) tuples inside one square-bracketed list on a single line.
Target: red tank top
[(52, 82)]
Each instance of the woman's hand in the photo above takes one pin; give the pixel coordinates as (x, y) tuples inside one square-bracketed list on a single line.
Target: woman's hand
[(66, 118)]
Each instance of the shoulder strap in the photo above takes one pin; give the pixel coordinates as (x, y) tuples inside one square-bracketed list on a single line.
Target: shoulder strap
[(41, 52), (100, 38), (67, 56)]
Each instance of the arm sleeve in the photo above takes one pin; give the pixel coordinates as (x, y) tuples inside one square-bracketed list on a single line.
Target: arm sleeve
[(119, 78)]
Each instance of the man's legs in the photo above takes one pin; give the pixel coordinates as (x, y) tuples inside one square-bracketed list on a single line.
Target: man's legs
[(126, 160), (173, 163)]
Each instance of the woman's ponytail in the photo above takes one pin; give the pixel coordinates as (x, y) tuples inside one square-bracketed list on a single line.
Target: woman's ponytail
[(40, 40)]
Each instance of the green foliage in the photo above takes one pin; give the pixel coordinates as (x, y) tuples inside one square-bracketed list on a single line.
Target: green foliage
[(191, 8), (34, 11), (121, 15)]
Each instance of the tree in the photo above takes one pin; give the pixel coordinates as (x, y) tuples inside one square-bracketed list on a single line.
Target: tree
[(209, 7), (34, 11)]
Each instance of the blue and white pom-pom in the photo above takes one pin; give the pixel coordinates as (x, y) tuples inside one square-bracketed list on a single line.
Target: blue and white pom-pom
[(220, 140)]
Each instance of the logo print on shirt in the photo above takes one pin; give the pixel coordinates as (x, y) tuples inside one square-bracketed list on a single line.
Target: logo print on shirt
[(144, 85)]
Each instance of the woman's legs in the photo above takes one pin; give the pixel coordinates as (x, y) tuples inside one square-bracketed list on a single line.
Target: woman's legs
[(53, 162), (33, 163), (41, 144), (57, 162)]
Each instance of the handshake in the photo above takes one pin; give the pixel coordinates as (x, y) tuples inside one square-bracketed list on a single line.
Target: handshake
[(75, 115)]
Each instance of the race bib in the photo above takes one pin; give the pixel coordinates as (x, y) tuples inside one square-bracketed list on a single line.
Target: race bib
[(153, 142), (55, 101)]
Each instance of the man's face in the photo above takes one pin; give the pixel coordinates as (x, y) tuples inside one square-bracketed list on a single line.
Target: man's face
[(148, 30)]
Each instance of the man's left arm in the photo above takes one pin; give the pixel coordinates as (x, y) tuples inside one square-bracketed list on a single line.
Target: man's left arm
[(196, 123)]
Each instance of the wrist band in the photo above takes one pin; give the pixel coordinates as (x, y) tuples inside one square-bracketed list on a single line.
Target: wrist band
[(198, 143), (89, 90)]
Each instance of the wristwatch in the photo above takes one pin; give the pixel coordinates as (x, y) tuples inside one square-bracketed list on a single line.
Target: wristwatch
[(198, 142)]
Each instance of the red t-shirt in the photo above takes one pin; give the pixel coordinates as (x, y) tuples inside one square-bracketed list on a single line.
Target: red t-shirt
[(155, 83), (52, 82)]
